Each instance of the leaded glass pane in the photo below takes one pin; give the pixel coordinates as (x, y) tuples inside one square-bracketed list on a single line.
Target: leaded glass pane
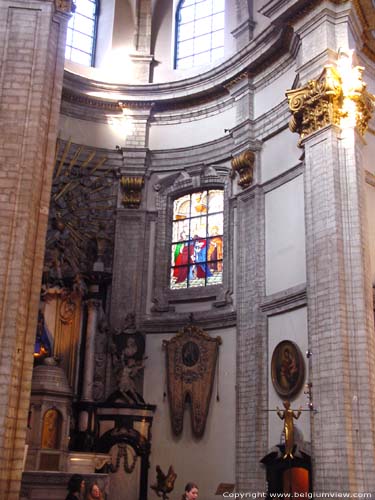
[(181, 208), (198, 203), (197, 240), (81, 32), (198, 227), (215, 201), (201, 22), (187, 14)]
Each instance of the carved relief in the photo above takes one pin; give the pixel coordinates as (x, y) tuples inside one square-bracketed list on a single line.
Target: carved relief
[(191, 361), (243, 164), (81, 225), (132, 189)]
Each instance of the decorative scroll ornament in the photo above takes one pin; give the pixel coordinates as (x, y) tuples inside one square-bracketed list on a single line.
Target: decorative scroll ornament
[(132, 188), (191, 360), (337, 97), (243, 164)]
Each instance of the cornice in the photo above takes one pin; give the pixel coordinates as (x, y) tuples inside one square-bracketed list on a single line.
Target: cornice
[(261, 52)]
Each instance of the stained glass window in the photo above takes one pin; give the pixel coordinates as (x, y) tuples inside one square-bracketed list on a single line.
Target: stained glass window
[(199, 32), (80, 41), (197, 240)]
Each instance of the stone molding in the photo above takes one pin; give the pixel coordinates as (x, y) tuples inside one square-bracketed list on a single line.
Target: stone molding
[(263, 50), (284, 301)]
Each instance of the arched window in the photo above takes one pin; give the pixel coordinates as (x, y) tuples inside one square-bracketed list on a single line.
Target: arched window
[(199, 32), (197, 241), (80, 41)]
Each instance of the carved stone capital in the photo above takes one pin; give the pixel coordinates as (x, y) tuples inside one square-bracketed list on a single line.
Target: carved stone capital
[(243, 164), (337, 97), (132, 189), (317, 104)]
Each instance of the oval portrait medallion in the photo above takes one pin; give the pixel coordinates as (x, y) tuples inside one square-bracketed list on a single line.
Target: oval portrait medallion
[(287, 369)]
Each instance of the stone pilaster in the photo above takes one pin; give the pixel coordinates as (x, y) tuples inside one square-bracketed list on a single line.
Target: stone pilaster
[(142, 59), (244, 31), (128, 280), (252, 397), (339, 289), (32, 44), (138, 118)]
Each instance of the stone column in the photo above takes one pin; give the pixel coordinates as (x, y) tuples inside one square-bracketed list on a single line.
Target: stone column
[(32, 45), (93, 308), (339, 289)]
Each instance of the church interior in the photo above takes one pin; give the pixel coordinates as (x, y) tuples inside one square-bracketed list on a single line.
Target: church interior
[(187, 196)]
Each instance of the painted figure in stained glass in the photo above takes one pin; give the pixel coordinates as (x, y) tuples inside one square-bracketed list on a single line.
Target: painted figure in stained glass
[(181, 258), (199, 257), (215, 250), (197, 241)]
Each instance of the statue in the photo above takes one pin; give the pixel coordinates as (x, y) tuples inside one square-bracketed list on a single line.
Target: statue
[(164, 483), (127, 347), (288, 415), (126, 382)]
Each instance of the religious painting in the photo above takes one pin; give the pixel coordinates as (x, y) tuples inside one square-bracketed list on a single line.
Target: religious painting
[(197, 240), (287, 369), (52, 422), (191, 357)]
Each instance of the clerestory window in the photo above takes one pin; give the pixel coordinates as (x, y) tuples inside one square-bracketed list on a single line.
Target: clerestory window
[(80, 42), (197, 240), (199, 32)]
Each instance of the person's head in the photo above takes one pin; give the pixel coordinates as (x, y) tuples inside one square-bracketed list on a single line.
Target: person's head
[(76, 484), (286, 404), (95, 490), (191, 491)]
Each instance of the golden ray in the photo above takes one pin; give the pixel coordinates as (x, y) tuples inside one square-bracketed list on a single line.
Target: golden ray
[(88, 159), (74, 159), (98, 165), (62, 160)]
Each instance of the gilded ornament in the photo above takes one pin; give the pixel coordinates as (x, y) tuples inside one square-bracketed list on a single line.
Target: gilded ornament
[(132, 188), (66, 6), (338, 97), (243, 164), (317, 104)]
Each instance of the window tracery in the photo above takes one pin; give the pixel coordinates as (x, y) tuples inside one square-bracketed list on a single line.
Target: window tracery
[(197, 240), (199, 32)]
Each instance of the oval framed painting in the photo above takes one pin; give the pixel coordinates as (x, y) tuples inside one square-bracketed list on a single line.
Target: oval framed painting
[(287, 369)]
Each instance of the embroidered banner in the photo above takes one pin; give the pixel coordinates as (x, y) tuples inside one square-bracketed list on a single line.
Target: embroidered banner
[(191, 361)]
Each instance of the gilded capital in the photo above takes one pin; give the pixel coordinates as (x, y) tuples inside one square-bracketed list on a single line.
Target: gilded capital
[(317, 104), (132, 189), (338, 97), (66, 6), (243, 164)]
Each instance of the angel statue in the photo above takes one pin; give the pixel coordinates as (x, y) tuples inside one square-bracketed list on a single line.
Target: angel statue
[(164, 483), (288, 415)]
